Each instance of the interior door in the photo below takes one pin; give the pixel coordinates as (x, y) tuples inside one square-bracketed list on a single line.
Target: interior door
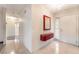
[(57, 29)]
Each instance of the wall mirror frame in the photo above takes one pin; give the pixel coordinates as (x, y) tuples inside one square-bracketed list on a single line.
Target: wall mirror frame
[(46, 22)]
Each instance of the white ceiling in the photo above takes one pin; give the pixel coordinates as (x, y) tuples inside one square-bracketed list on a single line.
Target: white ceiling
[(16, 10), (59, 7), (19, 9)]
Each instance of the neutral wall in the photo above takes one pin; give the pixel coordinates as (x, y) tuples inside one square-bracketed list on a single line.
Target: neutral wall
[(37, 24), (21, 31), (2, 25), (32, 26), (68, 24), (26, 28)]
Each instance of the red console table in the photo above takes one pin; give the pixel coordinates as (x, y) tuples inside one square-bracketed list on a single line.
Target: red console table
[(45, 37)]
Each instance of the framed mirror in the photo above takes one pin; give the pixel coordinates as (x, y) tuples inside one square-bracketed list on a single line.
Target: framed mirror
[(46, 22)]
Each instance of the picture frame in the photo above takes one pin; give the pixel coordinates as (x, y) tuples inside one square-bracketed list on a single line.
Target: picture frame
[(46, 22)]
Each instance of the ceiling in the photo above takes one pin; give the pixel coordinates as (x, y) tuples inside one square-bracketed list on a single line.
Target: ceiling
[(18, 10), (15, 10), (59, 7)]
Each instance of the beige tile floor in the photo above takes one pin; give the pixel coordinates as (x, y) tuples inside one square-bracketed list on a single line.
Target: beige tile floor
[(55, 47), (13, 47)]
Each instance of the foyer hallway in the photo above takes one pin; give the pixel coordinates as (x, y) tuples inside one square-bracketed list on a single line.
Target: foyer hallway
[(36, 25)]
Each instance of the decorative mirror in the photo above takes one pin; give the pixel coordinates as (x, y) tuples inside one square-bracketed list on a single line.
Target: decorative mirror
[(46, 22)]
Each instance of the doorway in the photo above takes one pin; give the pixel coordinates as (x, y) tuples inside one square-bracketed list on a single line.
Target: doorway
[(12, 29), (57, 28)]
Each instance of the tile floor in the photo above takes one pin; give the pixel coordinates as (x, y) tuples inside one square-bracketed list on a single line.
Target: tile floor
[(55, 47), (13, 47)]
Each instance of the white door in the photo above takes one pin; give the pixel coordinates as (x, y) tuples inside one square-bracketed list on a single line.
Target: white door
[(57, 28)]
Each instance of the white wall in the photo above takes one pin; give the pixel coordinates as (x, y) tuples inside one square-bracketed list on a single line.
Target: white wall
[(38, 11), (32, 26), (26, 29), (68, 24), (21, 32), (2, 25)]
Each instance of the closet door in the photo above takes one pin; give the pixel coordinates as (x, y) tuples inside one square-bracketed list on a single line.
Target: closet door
[(68, 29)]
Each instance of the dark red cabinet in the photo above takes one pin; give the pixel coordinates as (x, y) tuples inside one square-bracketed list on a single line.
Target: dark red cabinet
[(45, 37)]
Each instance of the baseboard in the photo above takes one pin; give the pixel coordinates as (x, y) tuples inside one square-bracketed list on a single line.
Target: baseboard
[(67, 42), (11, 37)]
